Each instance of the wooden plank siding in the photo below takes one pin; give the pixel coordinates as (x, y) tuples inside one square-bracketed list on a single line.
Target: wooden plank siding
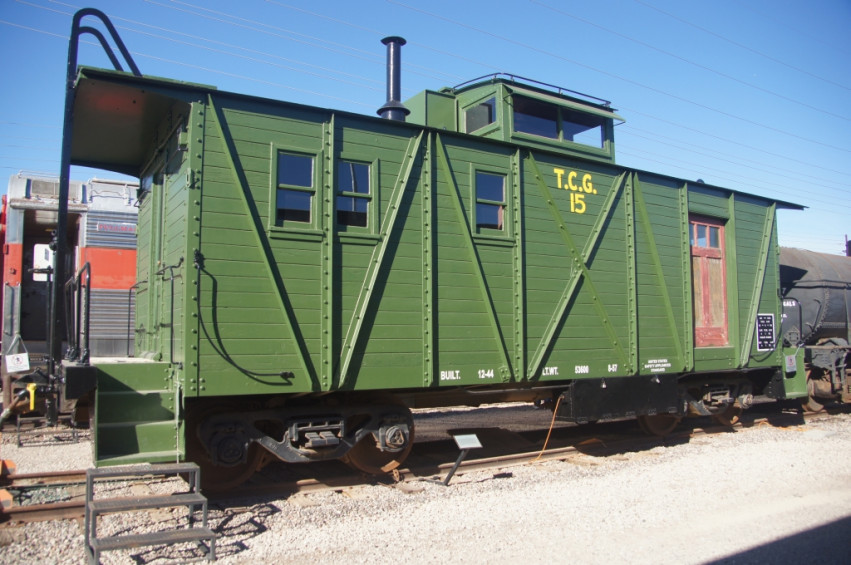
[(246, 339), (663, 309), (587, 276), (757, 255)]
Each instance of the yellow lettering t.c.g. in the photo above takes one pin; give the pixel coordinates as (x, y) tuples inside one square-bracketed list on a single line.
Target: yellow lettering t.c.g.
[(587, 185)]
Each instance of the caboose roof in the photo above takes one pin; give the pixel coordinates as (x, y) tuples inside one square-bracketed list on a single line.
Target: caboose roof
[(117, 115), (121, 113)]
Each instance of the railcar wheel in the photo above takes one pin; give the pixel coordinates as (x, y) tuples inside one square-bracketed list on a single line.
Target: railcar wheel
[(810, 404), (218, 478), (366, 456), (658, 424), (730, 416)]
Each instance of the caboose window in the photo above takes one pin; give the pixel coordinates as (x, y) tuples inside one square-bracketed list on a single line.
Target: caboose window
[(555, 122), (295, 190), (537, 118), (709, 282), (353, 194), (490, 201), (480, 115), (582, 128)]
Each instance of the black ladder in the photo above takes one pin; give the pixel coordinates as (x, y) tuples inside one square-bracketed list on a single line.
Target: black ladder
[(196, 531)]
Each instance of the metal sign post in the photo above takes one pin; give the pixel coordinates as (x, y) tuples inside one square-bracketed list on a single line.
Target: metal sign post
[(465, 443)]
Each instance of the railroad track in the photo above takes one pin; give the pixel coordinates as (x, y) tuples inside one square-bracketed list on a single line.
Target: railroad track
[(23, 484), (429, 461)]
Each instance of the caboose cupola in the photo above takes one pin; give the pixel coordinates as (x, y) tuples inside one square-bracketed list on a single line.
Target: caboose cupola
[(524, 112)]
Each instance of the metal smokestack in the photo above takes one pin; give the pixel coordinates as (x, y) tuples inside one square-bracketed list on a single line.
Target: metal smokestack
[(393, 109)]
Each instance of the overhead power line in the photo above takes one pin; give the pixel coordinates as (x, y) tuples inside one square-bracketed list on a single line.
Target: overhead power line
[(743, 46), (717, 156), (727, 76), (288, 86), (619, 77)]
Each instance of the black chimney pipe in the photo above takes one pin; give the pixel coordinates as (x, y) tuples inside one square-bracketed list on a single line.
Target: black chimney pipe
[(393, 109)]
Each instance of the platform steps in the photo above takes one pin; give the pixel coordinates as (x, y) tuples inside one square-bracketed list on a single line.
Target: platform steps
[(136, 415), (196, 531)]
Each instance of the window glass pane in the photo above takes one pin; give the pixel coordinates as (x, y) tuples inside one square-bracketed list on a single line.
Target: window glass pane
[(531, 116), (353, 177), (490, 187), (295, 170), (489, 216), (714, 240), (582, 128), (352, 211), (293, 206), (481, 115), (701, 235)]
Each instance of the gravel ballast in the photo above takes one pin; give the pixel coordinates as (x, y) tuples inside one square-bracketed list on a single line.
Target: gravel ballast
[(759, 495)]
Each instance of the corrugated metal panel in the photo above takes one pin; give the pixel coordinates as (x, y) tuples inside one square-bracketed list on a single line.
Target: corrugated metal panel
[(110, 229), (109, 313), (108, 335)]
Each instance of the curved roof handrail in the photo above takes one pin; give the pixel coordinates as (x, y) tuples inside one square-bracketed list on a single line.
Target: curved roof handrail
[(514, 78)]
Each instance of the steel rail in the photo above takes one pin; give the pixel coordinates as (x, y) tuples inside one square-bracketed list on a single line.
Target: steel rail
[(20, 480), (71, 510)]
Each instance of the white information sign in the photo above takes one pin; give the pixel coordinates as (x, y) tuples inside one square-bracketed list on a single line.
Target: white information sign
[(17, 363)]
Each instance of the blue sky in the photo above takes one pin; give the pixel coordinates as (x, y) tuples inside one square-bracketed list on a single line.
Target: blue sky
[(753, 95)]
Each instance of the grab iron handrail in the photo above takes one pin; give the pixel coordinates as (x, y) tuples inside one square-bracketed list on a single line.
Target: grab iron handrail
[(130, 334), (54, 342), (77, 295)]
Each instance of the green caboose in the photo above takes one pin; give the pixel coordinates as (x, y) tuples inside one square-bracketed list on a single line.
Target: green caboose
[(308, 275)]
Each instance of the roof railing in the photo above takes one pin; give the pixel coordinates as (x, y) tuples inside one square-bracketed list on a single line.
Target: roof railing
[(517, 78)]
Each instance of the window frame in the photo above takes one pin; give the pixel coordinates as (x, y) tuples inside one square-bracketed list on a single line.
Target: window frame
[(475, 200), (372, 198), (294, 226)]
